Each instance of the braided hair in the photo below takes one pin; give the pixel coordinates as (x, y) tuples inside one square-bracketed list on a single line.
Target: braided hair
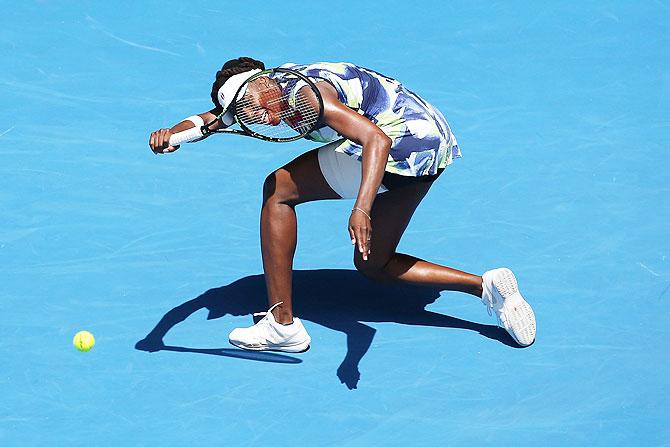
[(231, 68)]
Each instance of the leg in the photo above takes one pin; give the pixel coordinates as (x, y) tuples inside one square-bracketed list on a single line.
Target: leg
[(297, 182), (391, 214), (498, 288)]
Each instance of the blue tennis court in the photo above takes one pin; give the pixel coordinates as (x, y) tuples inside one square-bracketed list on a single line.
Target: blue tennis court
[(561, 111)]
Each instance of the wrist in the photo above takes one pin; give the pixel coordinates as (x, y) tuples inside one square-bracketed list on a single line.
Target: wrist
[(366, 208), (362, 211)]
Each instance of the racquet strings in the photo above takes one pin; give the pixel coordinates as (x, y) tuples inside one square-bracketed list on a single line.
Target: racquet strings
[(279, 107)]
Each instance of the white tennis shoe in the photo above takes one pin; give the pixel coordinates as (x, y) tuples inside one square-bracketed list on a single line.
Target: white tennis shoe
[(501, 294), (268, 335)]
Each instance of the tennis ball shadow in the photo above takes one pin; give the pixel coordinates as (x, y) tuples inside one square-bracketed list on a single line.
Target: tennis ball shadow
[(341, 300)]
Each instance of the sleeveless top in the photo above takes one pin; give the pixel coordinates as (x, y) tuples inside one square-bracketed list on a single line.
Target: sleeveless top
[(421, 138)]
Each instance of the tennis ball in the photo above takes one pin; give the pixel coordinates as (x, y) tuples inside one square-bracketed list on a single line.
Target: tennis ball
[(83, 341)]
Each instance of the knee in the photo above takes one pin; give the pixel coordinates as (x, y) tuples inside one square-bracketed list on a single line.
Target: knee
[(269, 186), (372, 269), (277, 187)]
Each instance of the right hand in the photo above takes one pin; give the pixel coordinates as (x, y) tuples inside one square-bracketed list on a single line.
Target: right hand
[(159, 142), (360, 231)]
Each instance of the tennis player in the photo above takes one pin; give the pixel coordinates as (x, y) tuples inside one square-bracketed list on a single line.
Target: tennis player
[(384, 147)]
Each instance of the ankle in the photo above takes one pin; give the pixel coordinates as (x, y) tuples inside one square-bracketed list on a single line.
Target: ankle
[(478, 289), (282, 316), (285, 321)]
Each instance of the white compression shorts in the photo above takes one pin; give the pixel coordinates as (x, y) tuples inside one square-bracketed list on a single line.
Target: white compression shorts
[(342, 171)]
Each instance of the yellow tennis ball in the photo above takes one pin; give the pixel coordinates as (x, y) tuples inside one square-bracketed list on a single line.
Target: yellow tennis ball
[(83, 341)]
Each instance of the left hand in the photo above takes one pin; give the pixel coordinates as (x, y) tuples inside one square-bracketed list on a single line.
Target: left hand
[(360, 231)]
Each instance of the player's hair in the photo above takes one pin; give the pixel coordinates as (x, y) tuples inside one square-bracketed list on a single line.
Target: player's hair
[(231, 68)]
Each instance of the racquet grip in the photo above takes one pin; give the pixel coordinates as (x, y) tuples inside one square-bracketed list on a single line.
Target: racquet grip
[(185, 136)]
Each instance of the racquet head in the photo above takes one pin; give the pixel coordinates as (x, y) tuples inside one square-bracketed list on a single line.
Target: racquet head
[(277, 105)]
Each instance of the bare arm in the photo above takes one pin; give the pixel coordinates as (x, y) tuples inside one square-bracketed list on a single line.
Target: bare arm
[(376, 147), (159, 141)]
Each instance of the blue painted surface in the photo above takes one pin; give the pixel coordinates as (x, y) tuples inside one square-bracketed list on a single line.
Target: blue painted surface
[(561, 111)]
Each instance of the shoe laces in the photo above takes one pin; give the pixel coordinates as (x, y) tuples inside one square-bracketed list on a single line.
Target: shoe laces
[(265, 314), (489, 301)]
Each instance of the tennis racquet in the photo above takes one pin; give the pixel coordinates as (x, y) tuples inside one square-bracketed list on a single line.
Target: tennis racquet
[(276, 105)]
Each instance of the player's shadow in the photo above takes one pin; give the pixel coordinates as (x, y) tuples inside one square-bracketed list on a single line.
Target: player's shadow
[(337, 299)]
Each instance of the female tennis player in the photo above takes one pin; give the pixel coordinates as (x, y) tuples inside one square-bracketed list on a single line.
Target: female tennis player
[(385, 148)]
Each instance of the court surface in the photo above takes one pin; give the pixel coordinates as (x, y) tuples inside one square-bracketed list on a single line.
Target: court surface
[(561, 111)]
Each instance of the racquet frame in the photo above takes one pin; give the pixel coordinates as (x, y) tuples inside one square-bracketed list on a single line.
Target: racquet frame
[(246, 131)]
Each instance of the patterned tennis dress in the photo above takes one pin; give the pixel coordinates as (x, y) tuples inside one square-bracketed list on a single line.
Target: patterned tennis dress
[(422, 139)]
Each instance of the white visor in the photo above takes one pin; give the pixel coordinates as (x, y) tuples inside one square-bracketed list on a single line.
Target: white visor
[(227, 91)]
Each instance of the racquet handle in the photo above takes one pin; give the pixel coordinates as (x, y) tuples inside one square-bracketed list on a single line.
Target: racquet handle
[(185, 136)]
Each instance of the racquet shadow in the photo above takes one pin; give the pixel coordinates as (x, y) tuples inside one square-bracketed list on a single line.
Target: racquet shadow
[(337, 299)]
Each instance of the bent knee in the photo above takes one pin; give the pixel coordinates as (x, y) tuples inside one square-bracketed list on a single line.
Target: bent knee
[(371, 269), (279, 187)]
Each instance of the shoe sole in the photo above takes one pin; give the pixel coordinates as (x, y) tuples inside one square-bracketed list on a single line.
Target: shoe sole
[(294, 349), (519, 315)]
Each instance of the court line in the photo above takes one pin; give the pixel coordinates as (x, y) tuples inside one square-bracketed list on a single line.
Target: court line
[(648, 269), (7, 131), (94, 25)]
